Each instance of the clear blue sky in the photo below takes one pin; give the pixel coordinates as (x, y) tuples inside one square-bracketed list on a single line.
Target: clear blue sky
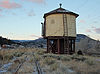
[(21, 19)]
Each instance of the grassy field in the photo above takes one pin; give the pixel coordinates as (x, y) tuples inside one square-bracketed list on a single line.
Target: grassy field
[(55, 63)]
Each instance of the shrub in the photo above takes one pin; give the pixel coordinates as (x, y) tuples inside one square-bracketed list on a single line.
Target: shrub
[(40, 52), (78, 57), (54, 66), (74, 56), (47, 55), (37, 57), (1, 57), (63, 68), (52, 56), (8, 56), (18, 54), (49, 61), (65, 58), (90, 62)]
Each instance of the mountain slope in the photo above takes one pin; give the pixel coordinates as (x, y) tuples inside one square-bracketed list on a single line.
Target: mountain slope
[(83, 43), (86, 44), (5, 41)]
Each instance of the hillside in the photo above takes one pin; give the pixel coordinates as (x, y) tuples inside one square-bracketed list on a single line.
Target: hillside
[(83, 42), (5, 41), (87, 45)]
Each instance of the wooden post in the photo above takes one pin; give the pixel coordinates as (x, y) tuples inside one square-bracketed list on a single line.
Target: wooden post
[(71, 45), (47, 45), (74, 46), (58, 44), (68, 49)]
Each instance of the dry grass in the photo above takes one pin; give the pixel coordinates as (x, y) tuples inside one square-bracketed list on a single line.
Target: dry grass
[(77, 63), (7, 55), (57, 64)]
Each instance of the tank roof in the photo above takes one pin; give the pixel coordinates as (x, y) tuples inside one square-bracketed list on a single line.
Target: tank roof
[(60, 10)]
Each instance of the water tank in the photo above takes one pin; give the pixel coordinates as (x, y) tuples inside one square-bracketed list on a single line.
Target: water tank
[(59, 22)]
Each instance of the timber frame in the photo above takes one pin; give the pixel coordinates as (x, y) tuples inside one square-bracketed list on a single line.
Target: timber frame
[(56, 45)]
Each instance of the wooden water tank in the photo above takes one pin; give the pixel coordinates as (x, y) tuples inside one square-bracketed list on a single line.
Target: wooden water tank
[(59, 28), (60, 22)]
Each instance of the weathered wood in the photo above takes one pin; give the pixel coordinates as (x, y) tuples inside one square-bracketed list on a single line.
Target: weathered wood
[(56, 45), (47, 45), (60, 31), (74, 46)]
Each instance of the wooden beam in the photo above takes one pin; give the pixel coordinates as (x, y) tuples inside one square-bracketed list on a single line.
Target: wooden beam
[(59, 37), (74, 46), (48, 44), (58, 44), (71, 45)]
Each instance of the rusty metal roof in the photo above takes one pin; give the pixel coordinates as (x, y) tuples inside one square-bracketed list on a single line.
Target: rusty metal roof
[(60, 10)]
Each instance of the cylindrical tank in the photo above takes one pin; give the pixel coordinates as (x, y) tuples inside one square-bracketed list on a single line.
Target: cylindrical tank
[(60, 22)]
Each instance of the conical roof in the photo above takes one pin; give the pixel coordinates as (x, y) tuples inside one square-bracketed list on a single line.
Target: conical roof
[(60, 10)]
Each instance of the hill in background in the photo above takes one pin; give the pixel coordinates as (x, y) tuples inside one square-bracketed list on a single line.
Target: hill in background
[(6, 41), (83, 43), (87, 45)]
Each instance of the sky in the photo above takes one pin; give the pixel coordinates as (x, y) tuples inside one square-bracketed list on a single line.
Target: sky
[(21, 19)]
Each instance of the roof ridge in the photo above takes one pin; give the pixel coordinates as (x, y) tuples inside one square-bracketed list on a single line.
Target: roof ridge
[(60, 10)]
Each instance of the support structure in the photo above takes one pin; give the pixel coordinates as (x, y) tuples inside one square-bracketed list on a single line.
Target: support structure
[(56, 45)]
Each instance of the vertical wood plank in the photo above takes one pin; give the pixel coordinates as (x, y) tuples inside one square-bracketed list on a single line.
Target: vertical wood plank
[(58, 42)]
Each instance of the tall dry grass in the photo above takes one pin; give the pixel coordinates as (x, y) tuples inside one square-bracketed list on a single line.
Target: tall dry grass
[(57, 64)]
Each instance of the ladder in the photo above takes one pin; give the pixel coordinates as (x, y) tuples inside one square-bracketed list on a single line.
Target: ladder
[(66, 40)]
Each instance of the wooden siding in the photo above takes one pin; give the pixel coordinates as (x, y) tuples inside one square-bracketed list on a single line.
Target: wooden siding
[(54, 25), (71, 22)]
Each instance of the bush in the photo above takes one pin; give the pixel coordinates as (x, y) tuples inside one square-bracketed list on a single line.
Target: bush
[(18, 54), (37, 57), (40, 52), (49, 61), (8, 56), (52, 56), (74, 56), (90, 62), (65, 58), (63, 68), (54, 66), (78, 57), (1, 57)]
